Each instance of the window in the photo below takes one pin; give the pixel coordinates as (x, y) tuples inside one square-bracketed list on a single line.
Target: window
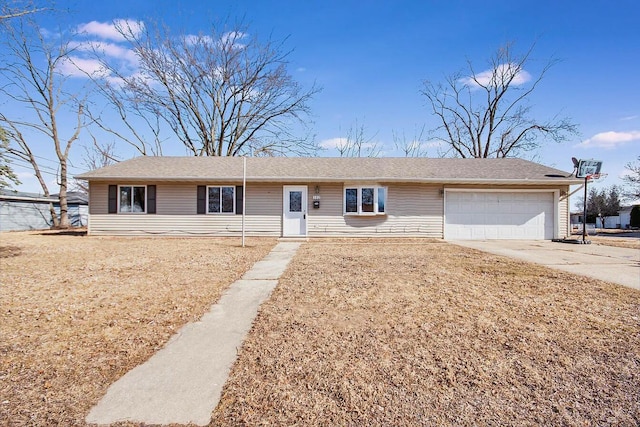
[(365, 200), (132, 198), (221, 200)]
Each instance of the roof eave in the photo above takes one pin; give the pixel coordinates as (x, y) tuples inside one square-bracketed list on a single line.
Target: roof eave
[(524, 181)]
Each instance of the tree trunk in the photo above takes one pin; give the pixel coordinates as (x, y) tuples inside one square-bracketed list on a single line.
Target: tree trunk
[(64, 217)]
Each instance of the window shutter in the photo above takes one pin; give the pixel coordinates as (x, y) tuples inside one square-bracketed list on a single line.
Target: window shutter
[(239, 191), (151, 199), (202, 199), (113, 199)]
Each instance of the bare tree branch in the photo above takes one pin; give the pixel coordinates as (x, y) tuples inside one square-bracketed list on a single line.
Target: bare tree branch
[(220, 94), (32, 80), (631, 190), (96, 156), (485, 114), (358, 144), (413, 147), (17, 9)]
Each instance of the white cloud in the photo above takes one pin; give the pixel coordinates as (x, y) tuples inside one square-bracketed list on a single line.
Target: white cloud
[(610, 139), (112, 50), (112, 30), (301, 69), (80, 67), (503, 71), (333, 143), (627, 118)]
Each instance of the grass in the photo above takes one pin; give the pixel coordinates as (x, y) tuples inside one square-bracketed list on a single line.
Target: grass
[(77, 312), (425, 333), (358, 332)]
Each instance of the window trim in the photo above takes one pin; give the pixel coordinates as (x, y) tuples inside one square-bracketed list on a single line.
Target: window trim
[(118, 211), (376, 191), (221, 186)]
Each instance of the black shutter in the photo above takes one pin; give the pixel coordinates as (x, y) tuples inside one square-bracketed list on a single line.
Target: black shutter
[(239, 191), (113, 199), (202, 199), (151, 199)]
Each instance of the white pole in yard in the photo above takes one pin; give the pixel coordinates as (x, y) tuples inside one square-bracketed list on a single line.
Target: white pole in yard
[(244, 192)]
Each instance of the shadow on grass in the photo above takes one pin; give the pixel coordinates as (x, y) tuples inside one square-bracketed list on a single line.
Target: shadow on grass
[(66, 232)]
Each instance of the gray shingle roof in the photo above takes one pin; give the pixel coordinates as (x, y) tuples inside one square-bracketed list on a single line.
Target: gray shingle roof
[(327, 169)]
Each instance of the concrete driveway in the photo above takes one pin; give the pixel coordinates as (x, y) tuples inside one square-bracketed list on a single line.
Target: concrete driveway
[(612, 264)]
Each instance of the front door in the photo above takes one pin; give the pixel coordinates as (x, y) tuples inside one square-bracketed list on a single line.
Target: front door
[(294, 216)]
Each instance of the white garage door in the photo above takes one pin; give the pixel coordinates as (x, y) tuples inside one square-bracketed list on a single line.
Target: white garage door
[(498, 215)]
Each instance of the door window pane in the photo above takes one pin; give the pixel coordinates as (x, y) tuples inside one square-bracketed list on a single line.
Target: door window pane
[(367, 200), (351, 200), (295, 201)]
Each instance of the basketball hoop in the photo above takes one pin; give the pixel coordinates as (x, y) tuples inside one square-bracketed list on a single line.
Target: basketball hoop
[(595, 176)]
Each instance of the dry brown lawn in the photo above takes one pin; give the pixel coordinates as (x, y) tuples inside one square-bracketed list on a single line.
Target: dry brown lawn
[(375, 332), (78, 312), (613, 237), (619, 242)]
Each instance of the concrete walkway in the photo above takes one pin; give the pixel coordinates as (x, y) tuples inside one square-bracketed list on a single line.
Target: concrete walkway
[(182, 383), (608, 263)]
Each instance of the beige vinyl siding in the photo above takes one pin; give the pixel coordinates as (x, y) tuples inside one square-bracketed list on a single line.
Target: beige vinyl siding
[(411, 210), (563, 209), (98, 198), (176, 207), (176, 199), (183, 225)]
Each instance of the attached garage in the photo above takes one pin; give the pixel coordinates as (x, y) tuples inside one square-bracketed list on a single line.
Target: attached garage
[(485, 215)]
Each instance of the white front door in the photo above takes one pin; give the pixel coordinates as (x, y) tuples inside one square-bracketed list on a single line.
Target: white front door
[(294, 215)]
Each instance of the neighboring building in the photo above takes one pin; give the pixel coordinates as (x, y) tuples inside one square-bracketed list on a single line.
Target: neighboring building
[(317, 197), (608, 222), (24, 211), (624, 215), (77, 208), (30, 211)]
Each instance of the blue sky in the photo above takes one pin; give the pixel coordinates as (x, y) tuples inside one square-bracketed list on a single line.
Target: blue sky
[(371, 58)]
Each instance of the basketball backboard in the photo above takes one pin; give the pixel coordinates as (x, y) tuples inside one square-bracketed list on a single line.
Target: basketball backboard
[(588, 167)]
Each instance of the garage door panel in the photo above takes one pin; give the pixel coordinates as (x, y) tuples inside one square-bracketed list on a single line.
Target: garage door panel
[(499, 215)]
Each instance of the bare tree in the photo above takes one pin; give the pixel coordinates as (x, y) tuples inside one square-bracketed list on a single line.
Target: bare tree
[(96, 156), (357, 143), (413, 147), (221, 94), (631, 191), (486, 114), (17, 8), (36, 87)]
